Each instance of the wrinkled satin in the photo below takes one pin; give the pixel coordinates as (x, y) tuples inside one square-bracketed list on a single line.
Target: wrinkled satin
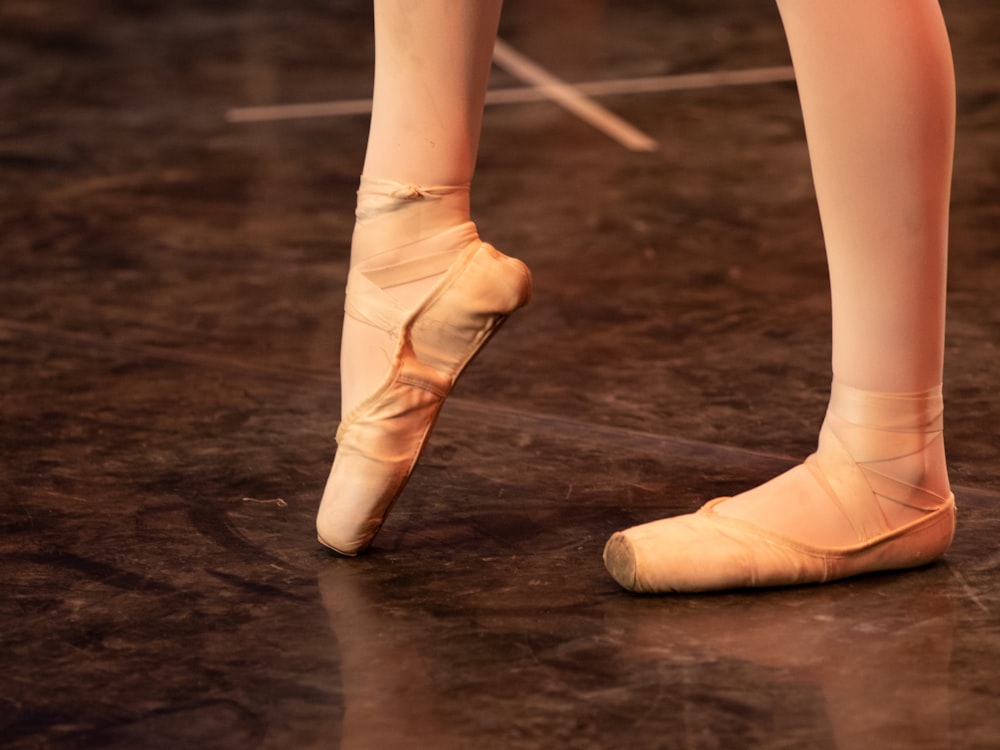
[(406, 237), (380, 440)]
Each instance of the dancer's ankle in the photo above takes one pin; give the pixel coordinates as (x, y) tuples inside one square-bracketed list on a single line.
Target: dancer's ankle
[(898, 440), (879, 463), (405, 239)]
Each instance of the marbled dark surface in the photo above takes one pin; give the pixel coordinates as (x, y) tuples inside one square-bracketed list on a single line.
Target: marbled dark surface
[(169, 322)]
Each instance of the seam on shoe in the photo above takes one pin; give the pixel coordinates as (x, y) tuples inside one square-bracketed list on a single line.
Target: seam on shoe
[(424, 385)]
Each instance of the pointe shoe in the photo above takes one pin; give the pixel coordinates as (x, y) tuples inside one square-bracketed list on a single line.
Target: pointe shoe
[(379, 442), (705, 551), (708, 551)]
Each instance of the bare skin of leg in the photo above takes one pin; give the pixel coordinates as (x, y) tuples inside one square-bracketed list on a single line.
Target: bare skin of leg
[(432, 64), (877, 90)]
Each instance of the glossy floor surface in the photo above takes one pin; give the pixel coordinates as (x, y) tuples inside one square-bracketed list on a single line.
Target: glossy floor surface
[(170, 311)]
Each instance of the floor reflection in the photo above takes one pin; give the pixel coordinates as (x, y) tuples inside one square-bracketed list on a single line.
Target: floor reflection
[(389, 692), (881, 663), (839, 667)]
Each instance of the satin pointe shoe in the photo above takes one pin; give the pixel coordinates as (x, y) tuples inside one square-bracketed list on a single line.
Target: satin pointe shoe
[(704, 551), (379, 442), (708, 551)]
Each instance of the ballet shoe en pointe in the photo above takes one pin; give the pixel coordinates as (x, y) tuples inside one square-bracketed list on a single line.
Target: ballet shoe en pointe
[(708, 551), (379, 442)]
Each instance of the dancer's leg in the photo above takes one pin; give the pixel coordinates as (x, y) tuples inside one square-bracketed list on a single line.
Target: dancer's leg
[(876, 83), (432, 64), (424, 292), (877, 91)]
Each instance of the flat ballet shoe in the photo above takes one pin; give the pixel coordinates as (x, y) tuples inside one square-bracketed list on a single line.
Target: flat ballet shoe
[(379, 442), (705, 551)]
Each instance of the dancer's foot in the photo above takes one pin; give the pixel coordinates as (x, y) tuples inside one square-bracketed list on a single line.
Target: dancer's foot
[(874, 496), (412, 355), (406, 237)]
